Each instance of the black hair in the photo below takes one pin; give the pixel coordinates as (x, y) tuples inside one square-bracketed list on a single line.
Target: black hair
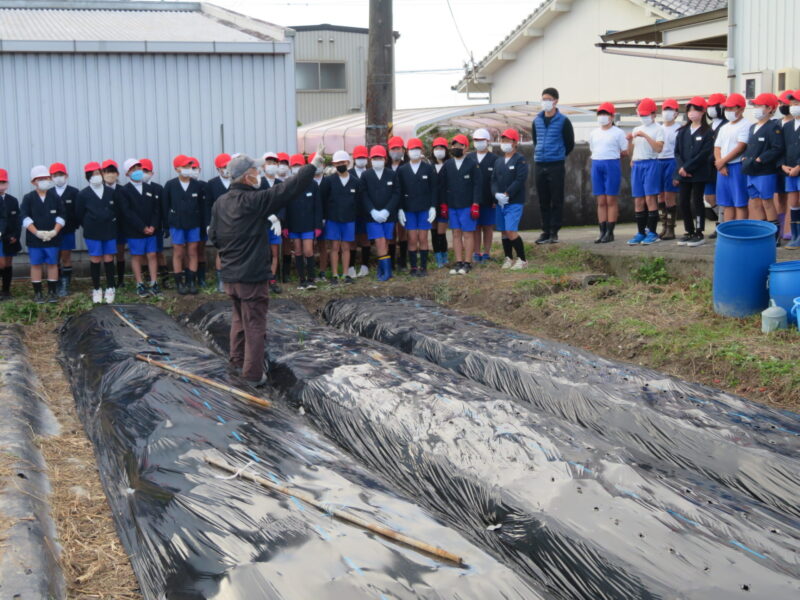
[(704, 124), (110, 169), (550, 91), (89, 174), (434, 160)]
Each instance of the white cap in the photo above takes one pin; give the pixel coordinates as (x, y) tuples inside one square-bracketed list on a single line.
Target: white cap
[(270, 155), (341, 155), (39, 171), (235, 154), (130, 162), (481, 134)]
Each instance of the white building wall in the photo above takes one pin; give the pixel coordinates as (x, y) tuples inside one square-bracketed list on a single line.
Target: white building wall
[(566, 57)]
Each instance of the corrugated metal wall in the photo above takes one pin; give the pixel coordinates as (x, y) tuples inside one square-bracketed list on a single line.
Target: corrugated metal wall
[(350, 48), (74, 108)]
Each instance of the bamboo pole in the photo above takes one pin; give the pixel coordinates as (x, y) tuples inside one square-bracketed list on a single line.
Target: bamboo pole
[(131, 325), (210, 382), (341, 514)]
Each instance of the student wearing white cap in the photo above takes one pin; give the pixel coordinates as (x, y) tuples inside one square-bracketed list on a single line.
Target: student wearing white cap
[(341, 194), (484, 229), (142, 211)]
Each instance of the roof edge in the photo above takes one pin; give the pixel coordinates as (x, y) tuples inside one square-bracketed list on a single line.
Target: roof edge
[(101, 5), (246, 24)]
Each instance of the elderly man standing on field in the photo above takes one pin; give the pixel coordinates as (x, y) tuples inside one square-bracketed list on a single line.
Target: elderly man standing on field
[(238, 229)]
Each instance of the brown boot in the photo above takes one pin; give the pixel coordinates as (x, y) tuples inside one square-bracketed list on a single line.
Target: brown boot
[(669, 223)]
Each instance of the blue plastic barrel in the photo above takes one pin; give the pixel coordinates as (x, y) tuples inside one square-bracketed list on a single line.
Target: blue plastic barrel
[(784, 285), (745, 250)]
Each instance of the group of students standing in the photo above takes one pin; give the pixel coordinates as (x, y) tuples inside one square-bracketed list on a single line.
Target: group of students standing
[(717, 164)]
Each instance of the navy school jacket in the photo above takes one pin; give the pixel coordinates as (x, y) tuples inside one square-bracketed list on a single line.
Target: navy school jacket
[(340, 202), (99, 217), (69, 197), (43, 212), (9, 206), (791, 144), (461, 187), (383, 193), (510, 177), (214, 189), (418, 191), (183, 209), (158, 192), (694, 152), (766, 144), (265, 185), (140, 210), (304, 212), (487, 168)]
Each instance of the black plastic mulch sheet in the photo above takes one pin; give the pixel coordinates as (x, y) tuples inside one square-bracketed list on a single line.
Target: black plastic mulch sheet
[(745, 446), (564, 507), (191, 534)]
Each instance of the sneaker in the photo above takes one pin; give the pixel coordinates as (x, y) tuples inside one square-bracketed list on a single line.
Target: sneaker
[(422, 273), (155, 290), (110, 295), (455, 269), (486, 258), (303, 285), (522, 264), (553, 238), (97, 296), (697, 240), (321, 278), (685, 239), (310, 285), (507, 263), (463, 268), (651, 238), (334, 280), (544, 238), (347, 278), (351, 273), (637, 239), (141, 290), (476, 258), (363, 271)]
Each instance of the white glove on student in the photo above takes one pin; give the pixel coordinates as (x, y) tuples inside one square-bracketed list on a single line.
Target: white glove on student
[(319, 157), (431, 214), (276, 225), (384, 215), (502, 199), (401, 217), (376, 215)]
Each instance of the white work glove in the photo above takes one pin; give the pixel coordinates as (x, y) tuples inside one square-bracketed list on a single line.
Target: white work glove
[(502, 199), (43, 235), (431, 214), (376, 215), (384, 215), (276, 225), (319, 157), (401, 217)]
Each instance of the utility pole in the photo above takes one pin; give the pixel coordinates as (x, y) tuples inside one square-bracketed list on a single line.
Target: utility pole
[(380, 73)]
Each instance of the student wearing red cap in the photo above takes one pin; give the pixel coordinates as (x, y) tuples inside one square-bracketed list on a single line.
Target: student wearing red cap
[(381, 201), (608, 145), (645, 143), (10, 232), (790, 165), (397, 157), (667, 200), (715, 112), (780, 198), (158, 190), (729, 146), (360, 163), (142, 214), (461, 191), (440, 154), (486, 219), (183, 203), (215, 188), (110, 176), (508, 187), (760, 160), (694, 148), (418, 199), (303, 226), (284, 170), (68, 194)]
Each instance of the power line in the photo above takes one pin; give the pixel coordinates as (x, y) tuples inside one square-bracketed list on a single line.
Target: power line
[(458, 31)]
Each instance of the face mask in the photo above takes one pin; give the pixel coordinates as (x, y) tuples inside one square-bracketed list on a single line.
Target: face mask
[(195, 173), (361, 163), (341, 168), (646, 120), (295, 170), (603, 120), (439, 153), (378, 164), (110, 178), (283, 170), (415, 154), (694, 116), (225, 173), (480, 146), (730, 115), (271, 170), (457, 152), (186, 172), (758, 112), (147, 177), (668, 115), (713, 112), (396, 155), (96, 181), (547, 105), (794, 111), (257, 182), (784, 110), (505, 147), (60, 180), (44, 184), (137, 175)]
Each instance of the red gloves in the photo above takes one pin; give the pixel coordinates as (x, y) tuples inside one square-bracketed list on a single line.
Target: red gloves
[(317, 233), (475, 212), (285, 233), (443, 210)]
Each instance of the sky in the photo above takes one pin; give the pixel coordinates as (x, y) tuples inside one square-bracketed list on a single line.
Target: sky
[(429, 56)]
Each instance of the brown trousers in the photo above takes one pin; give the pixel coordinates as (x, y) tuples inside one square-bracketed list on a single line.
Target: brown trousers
[(248, 327)]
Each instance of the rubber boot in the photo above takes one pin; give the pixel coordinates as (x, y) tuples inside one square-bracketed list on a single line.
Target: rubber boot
[(180, 283), (778, 233), (163, 275), (201, 274), (287, 268), (662, 214), (608, 236), (191, 283), (402, 259), (603, 226), (64, 282)]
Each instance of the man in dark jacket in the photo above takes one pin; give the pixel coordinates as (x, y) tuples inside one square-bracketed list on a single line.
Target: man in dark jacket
[(238, 229)]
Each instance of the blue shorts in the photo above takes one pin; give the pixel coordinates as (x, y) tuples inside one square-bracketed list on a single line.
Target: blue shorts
[(275, 240), (361, 227), (508, 217), (306, 235), (341, 232), (667, 167), (67, 241), (761, 186), (48, 256), (159, 241), (793, 184), (184, 236), (487, 217), (142, 246), (460, 218), (203, 234), (417, 221), (645, 178), (710, 189), (100, 247), (606, 177), (732, 188), (380, 230)]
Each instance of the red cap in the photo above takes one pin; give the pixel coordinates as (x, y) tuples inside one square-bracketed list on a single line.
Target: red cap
[(766, 99), (222, 160), (699, 102), (180, 161), (511, 134), (395, 142), (377, 151), (414, 143), (461, 139), (785, 96), (194, 162), (795, 95), (110, 163), (607, 107), (360, 152), (58, 167), (715, 99), (670, 103), (646, 106), (92, 166), (283, 157), (146, 163), (735, 100), (3, 175), (297, 160), (440, 141)]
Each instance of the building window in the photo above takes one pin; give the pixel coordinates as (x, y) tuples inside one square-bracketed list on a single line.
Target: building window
[(749, 88), (314, 76)]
